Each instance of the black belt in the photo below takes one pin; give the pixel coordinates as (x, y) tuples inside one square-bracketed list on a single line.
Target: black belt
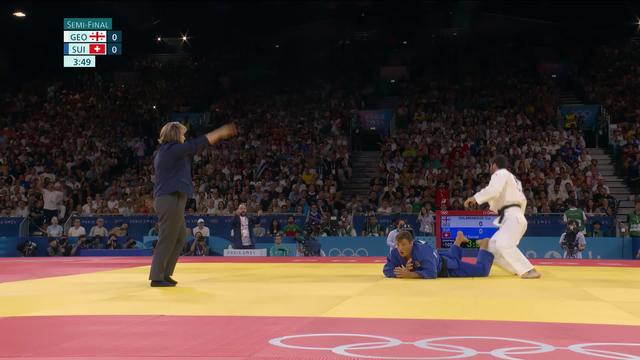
[(501, 211), (443, 272)]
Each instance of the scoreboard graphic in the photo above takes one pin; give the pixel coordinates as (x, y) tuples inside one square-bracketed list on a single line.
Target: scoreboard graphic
[(474, 224), (86, 38)]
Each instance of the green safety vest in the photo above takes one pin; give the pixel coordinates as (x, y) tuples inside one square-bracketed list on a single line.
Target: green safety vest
[(634, 224), (577, 215)]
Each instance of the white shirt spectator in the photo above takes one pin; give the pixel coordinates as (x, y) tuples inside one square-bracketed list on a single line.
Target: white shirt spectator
[(54, 230), (112, 204), (385, 210), (391, 239), (244, 231), (22, 212), (77, 231), (86, 210), (98, 231), (202, 230), (52, 199)]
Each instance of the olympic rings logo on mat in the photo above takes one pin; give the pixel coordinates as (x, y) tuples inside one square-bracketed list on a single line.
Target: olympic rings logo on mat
[(518, 347), (348, 252)]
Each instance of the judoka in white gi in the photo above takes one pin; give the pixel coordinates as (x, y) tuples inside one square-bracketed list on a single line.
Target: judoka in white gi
[(505, 197)]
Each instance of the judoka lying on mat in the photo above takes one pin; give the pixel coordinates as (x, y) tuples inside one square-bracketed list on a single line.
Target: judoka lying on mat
[(417, 260)]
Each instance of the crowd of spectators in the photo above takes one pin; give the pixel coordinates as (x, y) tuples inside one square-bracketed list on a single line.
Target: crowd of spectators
[(88, 150), (443, 155), (611, 77)]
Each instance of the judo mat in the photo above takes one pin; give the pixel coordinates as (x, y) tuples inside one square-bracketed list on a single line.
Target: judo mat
[(314, 308)]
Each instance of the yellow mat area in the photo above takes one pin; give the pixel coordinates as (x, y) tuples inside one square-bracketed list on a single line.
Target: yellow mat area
[(597, 295)]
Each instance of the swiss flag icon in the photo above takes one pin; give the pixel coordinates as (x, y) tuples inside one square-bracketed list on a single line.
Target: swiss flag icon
[(97, 49), (446, 234)]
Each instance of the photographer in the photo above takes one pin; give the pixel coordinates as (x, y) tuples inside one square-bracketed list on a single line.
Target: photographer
[(572, 241), (54, 248), (329, 225), (400, 225), (309, 244), (82, 243), (112, 243), (131, 244), (199, 247), (63, 243), (27, 248)]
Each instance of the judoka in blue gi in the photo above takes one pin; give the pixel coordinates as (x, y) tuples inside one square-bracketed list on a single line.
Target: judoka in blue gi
[(417, 260)]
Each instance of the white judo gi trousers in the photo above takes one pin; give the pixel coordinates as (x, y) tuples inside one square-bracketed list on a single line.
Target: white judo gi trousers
[(504, 243)]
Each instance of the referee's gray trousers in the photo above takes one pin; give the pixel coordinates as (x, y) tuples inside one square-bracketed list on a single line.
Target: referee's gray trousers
[(171, 236)]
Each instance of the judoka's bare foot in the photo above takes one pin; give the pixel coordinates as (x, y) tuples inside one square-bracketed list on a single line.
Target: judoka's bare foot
[(531, 274), (460, 239), (483, 244)]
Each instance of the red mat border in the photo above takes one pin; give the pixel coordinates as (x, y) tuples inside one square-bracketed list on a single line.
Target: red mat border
[(249, 337)]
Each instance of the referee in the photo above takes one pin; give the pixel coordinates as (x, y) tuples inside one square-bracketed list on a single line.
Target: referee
[(172, 188)]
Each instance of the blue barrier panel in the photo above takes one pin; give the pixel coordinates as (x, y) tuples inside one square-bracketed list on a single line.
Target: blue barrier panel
[(139, 225), (10, 235), (536, 247), (532, 247), (9, 245)]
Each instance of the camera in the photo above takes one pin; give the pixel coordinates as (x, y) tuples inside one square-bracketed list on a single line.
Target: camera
[(570, 241), (308, 243), (28, 248)]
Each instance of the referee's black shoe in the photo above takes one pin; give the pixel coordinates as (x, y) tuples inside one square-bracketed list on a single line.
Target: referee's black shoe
[(162, 283)]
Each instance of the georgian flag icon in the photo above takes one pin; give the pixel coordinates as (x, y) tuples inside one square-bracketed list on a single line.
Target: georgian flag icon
[(97, 49)]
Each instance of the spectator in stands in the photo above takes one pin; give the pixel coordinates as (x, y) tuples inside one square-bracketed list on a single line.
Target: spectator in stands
[(426, 220), (76, 230), (222, 210), (291, 229), (274, 228), (53, 197), (314, 216), (54, 249), (199, 246), (278, 249), (259, 230), (120, 230), (131, 243), (63, 243), (112, 243), (400, 225), (126, 207), (154, 230), (372, 228), (200, 228), (385, 208), (597, 230), (113, 204), (241, 228), (22, 210), (81, 243), (99, 229), (633, 221), (578, 215), (54, 230), (96, 242), (345, 227)]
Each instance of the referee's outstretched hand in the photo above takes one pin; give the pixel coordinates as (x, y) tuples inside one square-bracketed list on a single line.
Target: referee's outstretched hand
[(222, 133)]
